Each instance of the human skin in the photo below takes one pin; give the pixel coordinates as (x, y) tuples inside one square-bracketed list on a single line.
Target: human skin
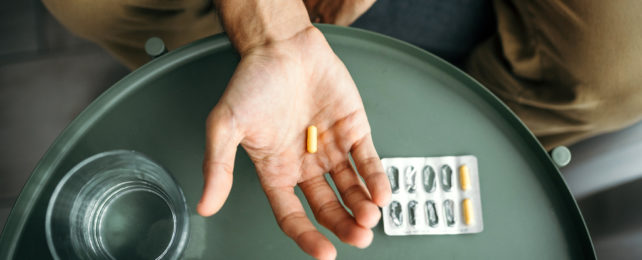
[(289, 78)]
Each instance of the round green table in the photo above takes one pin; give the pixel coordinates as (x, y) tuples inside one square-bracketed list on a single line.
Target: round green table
[(418, 105)]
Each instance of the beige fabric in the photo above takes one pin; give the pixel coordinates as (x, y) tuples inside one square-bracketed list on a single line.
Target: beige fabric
[(123, 26), (570, 69)]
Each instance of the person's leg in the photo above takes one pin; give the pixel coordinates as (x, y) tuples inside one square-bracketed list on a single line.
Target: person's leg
[(569, 69), (123, 26)]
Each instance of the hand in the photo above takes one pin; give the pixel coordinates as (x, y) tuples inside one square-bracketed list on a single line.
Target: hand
[(277, 91), (339, 12)]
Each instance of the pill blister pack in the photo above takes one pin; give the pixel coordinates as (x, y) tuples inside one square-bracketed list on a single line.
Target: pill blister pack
[(433, 196)]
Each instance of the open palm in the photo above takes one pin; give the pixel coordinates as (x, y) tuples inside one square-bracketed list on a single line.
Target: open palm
[(276, 92)]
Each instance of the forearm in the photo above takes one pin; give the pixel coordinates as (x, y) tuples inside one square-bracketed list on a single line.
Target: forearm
[(252, 23)]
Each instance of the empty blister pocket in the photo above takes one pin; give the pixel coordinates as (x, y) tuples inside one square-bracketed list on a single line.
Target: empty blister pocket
[(393, 177), (410, 175), (429, 179)]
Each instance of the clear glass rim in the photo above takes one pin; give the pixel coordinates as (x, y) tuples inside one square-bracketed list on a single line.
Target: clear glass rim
[(179, 239)]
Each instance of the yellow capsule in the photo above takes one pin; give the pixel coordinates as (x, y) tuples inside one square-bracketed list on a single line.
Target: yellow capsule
[(312, 139), (464, 177), (469, 217)]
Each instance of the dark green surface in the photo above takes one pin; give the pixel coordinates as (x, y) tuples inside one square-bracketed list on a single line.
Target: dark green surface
[(417, 106), (137, 225)]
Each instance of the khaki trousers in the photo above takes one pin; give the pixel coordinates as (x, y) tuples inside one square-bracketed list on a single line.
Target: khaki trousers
[(570, 69), (123, 26)]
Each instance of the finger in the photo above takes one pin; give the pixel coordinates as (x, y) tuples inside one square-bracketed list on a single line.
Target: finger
[(295, 224), (218, 162), (331, 214), (355, 195), (327, 10), (369, 167), (350, 13)]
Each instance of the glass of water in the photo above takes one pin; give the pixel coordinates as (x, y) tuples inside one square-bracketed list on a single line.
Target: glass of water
[(117, 205)]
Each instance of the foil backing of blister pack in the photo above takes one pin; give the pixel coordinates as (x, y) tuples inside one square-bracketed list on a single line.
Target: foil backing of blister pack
[(433, 196)]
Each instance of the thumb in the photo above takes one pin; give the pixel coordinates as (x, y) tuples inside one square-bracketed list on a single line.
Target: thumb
[(218, 163)]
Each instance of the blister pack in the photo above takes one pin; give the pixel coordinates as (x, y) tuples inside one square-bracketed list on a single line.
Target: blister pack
[(433, 196)]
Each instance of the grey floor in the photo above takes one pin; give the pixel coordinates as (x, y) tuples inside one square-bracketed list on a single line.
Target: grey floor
[(47, 76)]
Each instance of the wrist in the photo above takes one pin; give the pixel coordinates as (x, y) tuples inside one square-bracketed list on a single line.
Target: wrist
[(255, 23), (305, 50)]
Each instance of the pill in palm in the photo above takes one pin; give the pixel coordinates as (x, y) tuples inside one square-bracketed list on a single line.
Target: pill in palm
[(312, 139)]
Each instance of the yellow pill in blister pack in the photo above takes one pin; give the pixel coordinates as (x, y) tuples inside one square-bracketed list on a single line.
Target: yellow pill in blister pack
[(312, 139), (467, 207), (464, 177)]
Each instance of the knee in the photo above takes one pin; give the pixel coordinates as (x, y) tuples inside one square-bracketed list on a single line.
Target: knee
[(86, 19)]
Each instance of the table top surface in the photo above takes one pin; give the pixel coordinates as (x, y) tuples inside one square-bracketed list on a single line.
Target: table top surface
[(417, 104)]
